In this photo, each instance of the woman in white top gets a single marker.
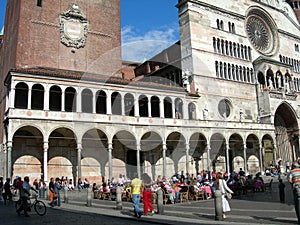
(221, 185)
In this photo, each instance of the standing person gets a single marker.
(294, 179)
(136, 186)
(51, 192)
(222, 186)
(1, 189)
(25, 193)
(7, 192)
(281, 187)
(147, 200)
(57, 188)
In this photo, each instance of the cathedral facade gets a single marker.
(224, 97)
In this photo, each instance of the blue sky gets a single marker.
(147, 26)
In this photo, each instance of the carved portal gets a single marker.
(73, 28)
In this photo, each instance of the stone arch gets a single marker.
(198, 146)
(287, 132)
(125, 149)
(218, 152)
(28, 141)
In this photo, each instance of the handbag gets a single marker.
(228, 195)
(55, 195)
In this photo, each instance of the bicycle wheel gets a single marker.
(40, 208)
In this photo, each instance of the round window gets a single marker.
(224, 108)
(261, 32)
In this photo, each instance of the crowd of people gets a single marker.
(142, 189)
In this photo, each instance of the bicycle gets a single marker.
(38, 205)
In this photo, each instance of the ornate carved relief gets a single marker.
(73, 28)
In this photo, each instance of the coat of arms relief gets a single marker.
(73, 28)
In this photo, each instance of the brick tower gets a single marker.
(75, 35)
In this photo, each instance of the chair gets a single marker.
(166, 197)
(199, 195)
(184, 196)
(105, 195)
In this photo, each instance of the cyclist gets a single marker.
(25, 193)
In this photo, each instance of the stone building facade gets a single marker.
(224, 97)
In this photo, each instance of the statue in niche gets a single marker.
(271, 86)
(242, 117)
(205, 113)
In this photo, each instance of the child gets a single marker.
(281, 187)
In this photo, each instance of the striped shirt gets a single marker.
(295, 176)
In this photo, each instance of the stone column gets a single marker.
(79, 101)
(138, 163)
(275, 153)
(79, 149)
(161, 108)
(136, 107)
(227, 158)
(187, 150)
(110, 148)
(208, 156)
(173, 108)
(122, 105)
(245, 158)
(11, 98)
(45, 161)
(149, 107)
(29, 98)
(94, 102)
(164, 159)
(9, 164)
(63, 100)
(108, 103)
(260, 157)
(46, 99)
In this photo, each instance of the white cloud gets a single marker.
(138, 47)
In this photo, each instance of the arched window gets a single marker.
(87, 101)
(101, 102)
(168, 107)
(178, 108)
(70, 99)
(129, 104)
(155, 109)
(37, 97)
(116, 103)
(143, 106)
(55, 98)
(215, 44)
(192, 111)
(21, 96)
(217, 68)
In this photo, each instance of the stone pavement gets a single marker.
(253, 208)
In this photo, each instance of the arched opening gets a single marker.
(55, 98)
(101, 102)
(287, 133)
(37, 97)
(129, 104)
(143, 106)
(87, 101)
(70, 99)
(21, 96)
(155, 110)
(116, 103)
